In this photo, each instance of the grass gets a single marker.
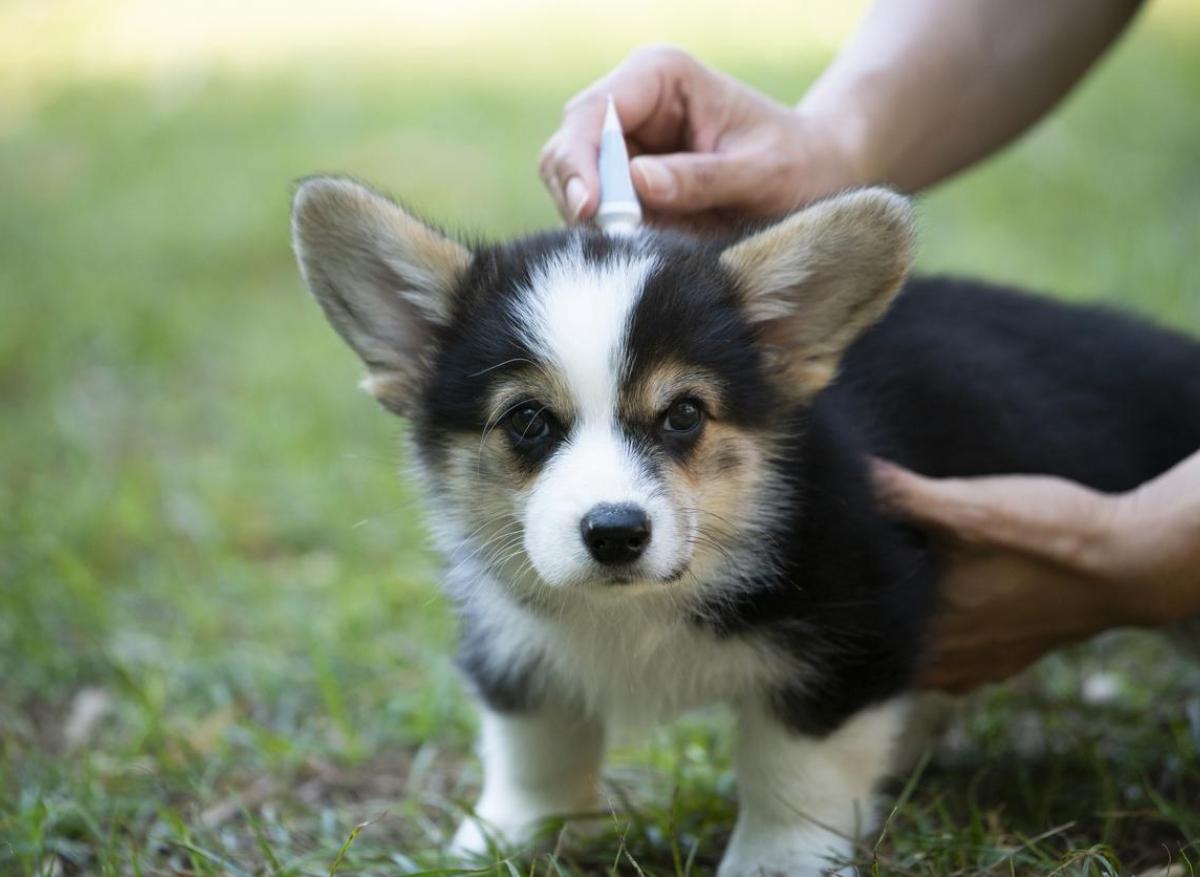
(221, 646)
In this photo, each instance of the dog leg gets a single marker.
(535, 766)
(802, 800)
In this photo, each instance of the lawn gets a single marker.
(221, 642)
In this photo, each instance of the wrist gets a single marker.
(1132, 594)
(1150, 561)
(825, 155)
(845, 111)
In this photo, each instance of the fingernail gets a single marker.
(657, 181)
(577, 197)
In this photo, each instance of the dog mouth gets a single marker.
(625, 578)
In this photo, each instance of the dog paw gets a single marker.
(785, 854)
(474, 839)
(488, 830)
(756, 866)
(805, 866)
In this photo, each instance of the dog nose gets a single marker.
(615, 533)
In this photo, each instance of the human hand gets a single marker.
(1036, 562)
(706, 147)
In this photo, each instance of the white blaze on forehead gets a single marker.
(576, 317)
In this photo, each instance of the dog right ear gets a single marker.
(814, 281)
(383, 278)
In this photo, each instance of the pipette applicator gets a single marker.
(619, 211)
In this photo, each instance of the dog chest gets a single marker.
(630, 660)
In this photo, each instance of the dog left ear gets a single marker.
(384, 279)
(813, 282)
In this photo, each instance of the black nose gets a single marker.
(615, 533)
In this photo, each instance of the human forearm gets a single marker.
(927, 87)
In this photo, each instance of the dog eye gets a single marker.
(529, 424)
(683, 416)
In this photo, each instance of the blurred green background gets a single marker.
(221, 644)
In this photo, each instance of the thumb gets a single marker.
(688, 182)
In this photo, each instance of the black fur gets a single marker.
(958, 379)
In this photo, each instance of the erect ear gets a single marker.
(817, 279)
(384, 279)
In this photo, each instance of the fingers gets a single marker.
(1041, 516)
(642, 88)
(690, 182)
(987, 627)
(568, 170)
(999, 612)
(940, 503)
(958, 677)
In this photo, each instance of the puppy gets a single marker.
(646, 458)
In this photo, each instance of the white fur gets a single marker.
(596, 465)
(535, 767)
(576, 316)
(803, 802)
(627, 654)
(602, 655)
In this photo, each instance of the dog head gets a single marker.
(591, 410)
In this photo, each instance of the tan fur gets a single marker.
(649, 398)
(816, 280)
(719, 483)
(383, 278)
(479, 488)
(519, 568)
(724, 494)
(722, 477)
(538, 385)
(534, 384)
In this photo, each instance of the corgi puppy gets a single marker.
(646, 463)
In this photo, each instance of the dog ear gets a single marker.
(383, 278)
(813, 282)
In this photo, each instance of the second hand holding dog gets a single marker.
(1049, 562)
